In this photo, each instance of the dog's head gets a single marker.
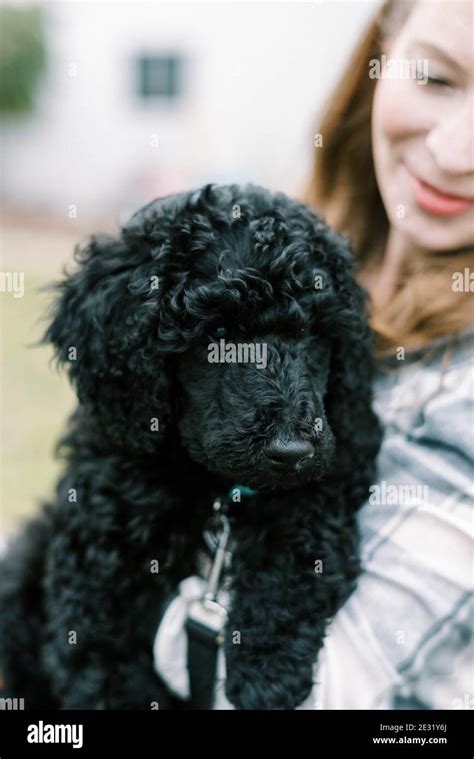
(225, 319)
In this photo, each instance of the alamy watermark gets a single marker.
(238, 353)
(463, 281)
(46, 733)
(398, 495)
(399, 68)
(12, 704)
(13, 282)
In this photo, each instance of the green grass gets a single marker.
(35, 397)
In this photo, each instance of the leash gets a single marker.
(207, 617)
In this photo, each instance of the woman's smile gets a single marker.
(435, 201)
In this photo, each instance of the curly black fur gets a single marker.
(140, 311)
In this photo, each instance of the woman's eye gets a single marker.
(424, 78)
(438, 81)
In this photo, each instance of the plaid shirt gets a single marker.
(404, 639)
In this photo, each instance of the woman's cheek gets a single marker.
(395, 126)
(390, 125)
(397, 109)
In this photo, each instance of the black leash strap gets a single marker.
(206, 621)
(202, 663)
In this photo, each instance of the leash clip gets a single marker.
(210, 595)
(207, 611)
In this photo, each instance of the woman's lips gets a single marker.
(434, 201)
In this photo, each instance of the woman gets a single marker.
(396, 173)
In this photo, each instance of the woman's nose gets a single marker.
(451, 141)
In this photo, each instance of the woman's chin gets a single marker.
(429, 232)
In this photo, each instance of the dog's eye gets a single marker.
(220, 332)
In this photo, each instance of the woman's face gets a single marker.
(423, 132)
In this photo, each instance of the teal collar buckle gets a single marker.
(243, 489)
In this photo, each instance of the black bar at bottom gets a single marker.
(317, 734)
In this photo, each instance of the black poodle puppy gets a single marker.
(219, 342)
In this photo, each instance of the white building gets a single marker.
(254, 76)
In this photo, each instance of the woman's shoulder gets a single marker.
(448, 354)
(416, 527)
(427, 397)
(421, 501)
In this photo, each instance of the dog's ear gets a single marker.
(349, 397)
(104, 329)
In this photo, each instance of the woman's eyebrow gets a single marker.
(433, 49)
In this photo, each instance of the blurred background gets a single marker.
(105, 106)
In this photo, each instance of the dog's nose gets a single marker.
(291, 454)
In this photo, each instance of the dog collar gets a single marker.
(243, 489)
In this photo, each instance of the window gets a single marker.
(159, 76)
